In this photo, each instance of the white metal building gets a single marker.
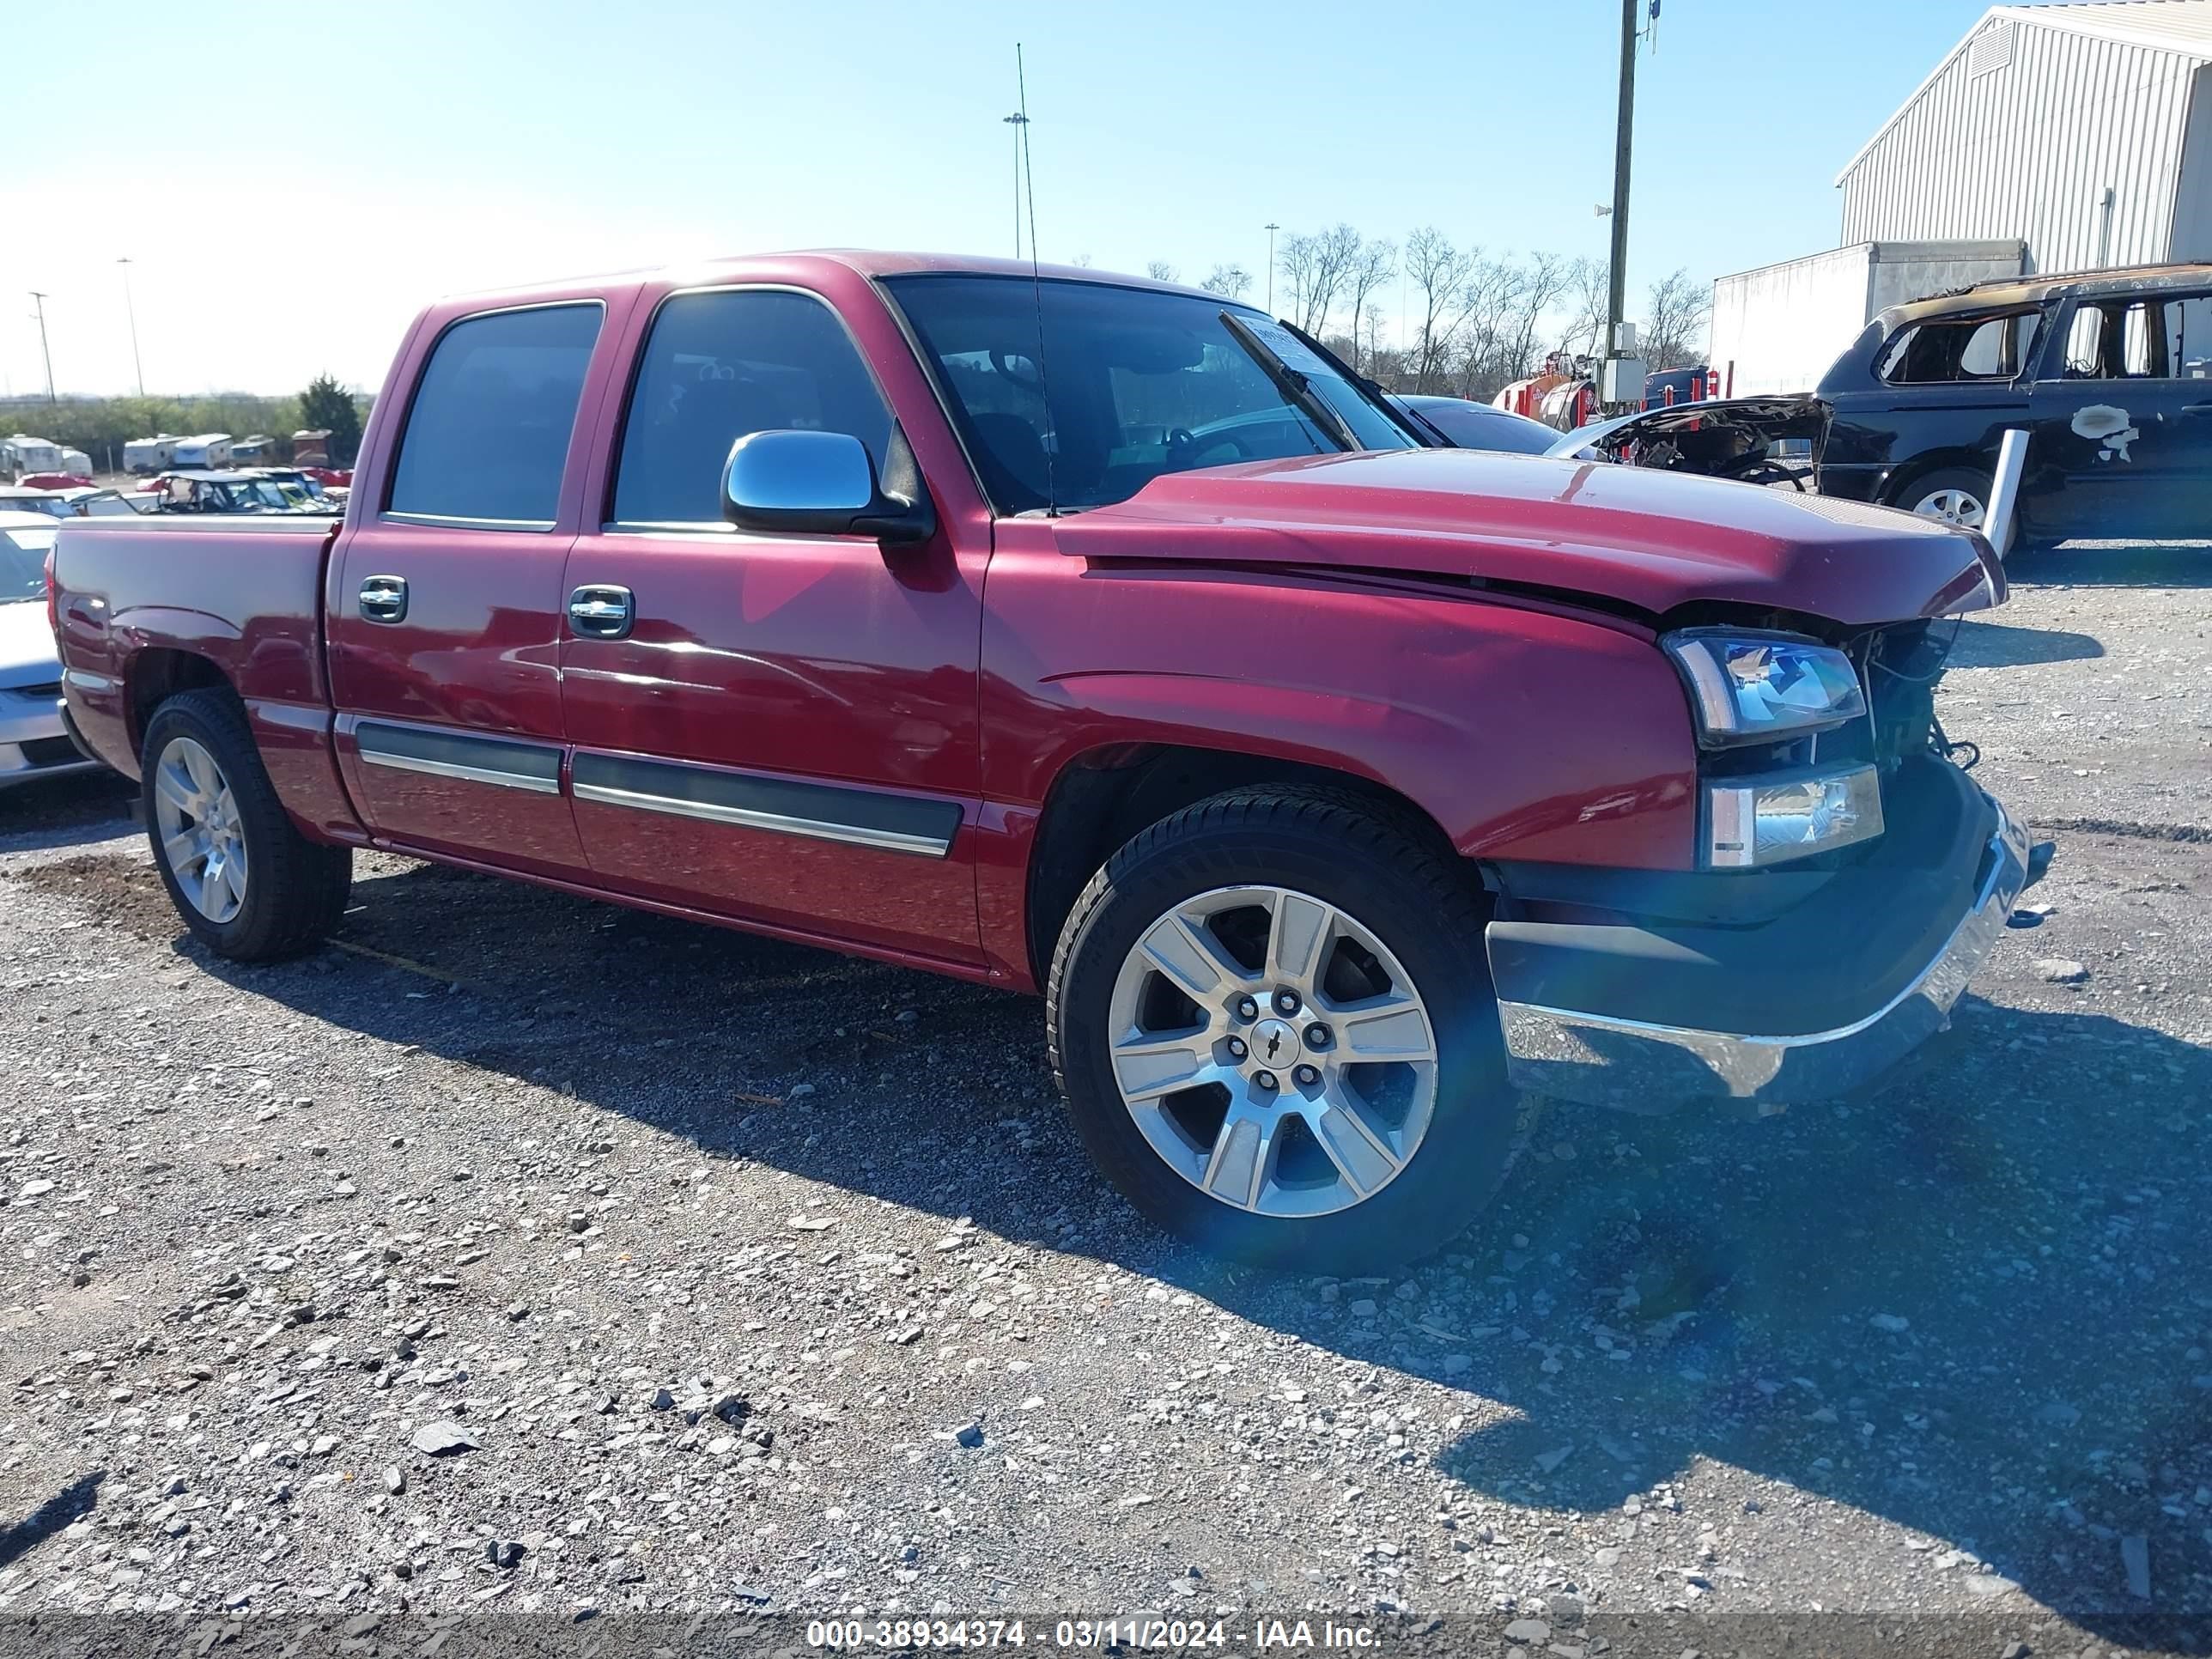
(2082, 129)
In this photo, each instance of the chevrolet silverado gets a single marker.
(1098, 638)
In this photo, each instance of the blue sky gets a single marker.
(291, 190)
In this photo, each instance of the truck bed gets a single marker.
(243, 591)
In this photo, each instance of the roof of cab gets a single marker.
(2000, 293)
(871, 263)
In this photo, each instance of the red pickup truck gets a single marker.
(1094, 637)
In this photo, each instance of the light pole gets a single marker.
(40, 301)
(131, 311)
(1271, 227)
(1018, 121)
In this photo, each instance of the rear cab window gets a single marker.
(487, 436)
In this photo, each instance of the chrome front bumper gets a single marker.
(1585, 1056)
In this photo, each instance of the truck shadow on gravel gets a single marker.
(1997, 645)
(1979, 1305)
(71, 1504)
(2112, 565)
(76, 810)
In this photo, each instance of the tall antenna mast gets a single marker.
(1029, 173)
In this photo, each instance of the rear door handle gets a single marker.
(383, 598)
(2196, 408)
(602, 611)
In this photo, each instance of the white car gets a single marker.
(33, 743)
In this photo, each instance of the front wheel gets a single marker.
(1951, 495)
(1273, 1019)
(247, 883)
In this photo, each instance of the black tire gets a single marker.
(1410, 891)
(1965, 480)
(295, 889)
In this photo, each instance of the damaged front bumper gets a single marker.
(1812, 1004)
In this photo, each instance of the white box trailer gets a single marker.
(149, 455)
(23, 453)
(209, 450)
(1776, 329)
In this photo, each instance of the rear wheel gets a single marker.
(248, 883)
(1273, 1022)
(1951, 495)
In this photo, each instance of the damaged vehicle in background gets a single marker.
(2110, 373)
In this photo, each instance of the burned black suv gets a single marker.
(2110, 373)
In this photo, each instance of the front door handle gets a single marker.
(602, 612)
(2198, 408)
(383, 598)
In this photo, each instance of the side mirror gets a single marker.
(818, 483)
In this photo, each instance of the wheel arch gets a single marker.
(1103, 797)
(158, 673)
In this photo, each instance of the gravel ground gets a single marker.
(524, 1255)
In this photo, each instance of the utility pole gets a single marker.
(1271, 227)
(1616, 303)
(41, 300)
(1018, 121)
(131, 311)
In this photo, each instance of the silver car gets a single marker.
(33, 744)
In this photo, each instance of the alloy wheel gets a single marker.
(195, 816)
(1957, 506)
(1272, 1051)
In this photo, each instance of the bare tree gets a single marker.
(1538, 286)
(1161, 272)
(1676, 316)
(1298, 259)
(1318, 265)
(1492, 295)
(1229, 281)
(1589, 292)
(1438, 272)
(1375, 264)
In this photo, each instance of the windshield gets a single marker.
(1133, 383)
(23, 564)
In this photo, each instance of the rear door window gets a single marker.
(2168, 337)
(488, 434)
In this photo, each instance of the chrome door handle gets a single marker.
(383, 598)
(602, 612)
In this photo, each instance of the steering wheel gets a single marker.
(1003, 362)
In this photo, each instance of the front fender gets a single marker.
(1523, 733)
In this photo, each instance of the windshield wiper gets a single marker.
(1296, 388)
(1408, 420)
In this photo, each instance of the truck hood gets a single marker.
(27, 646)
(1655, 542)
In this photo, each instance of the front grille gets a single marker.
(50, 751)
(1901, 666)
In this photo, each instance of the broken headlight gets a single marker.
(1751, 687)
